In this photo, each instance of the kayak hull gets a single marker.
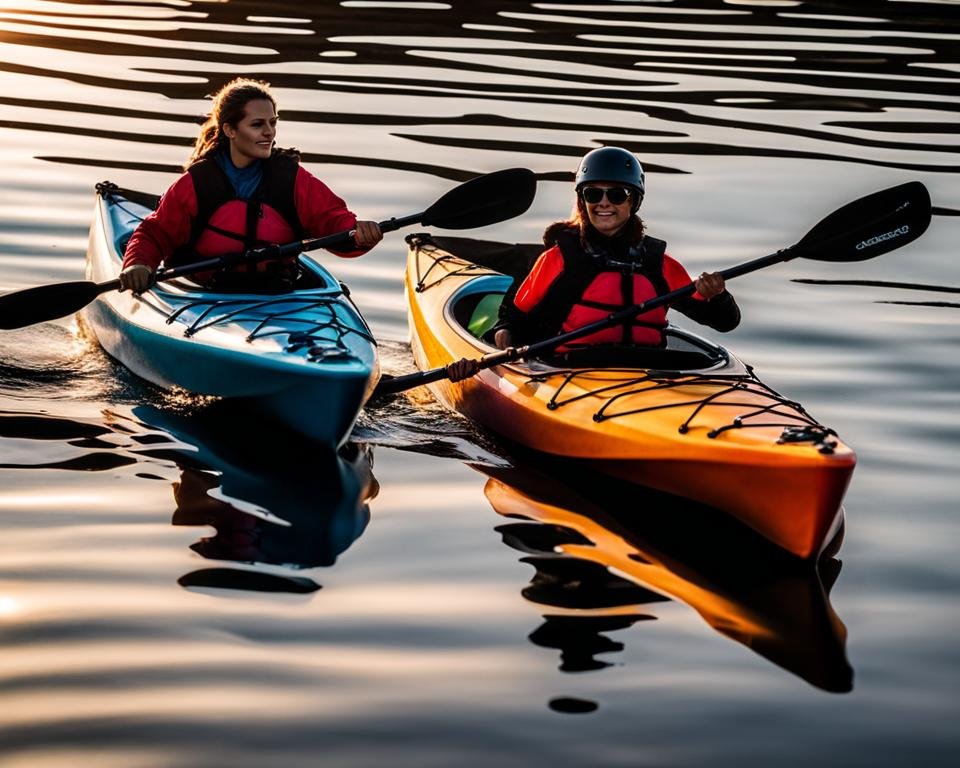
(305, 357)
(715, 434)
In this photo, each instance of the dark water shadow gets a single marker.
(831, 57)
(82, 444)
(896, 286)
(602, 546)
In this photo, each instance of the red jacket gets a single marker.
(169, 227)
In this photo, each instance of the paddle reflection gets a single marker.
(604, 553)
(278, 501)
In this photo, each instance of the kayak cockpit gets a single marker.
(488, 269)
(474, 308)
(311, 279)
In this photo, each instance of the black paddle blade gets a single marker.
(46, 302)
(870, 226)
(487, 199)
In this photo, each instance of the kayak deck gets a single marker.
(690, 419)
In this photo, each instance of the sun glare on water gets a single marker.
(8, 606)
(34, 5)
(51, 501)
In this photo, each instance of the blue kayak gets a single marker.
(306, 357)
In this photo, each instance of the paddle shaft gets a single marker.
(34, 305)
(486, 199)
(401, 383)
(312, 243)
(273, 252)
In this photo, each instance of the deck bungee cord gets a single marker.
(316, 336)
(294, 308)
(808, 431)
(463, 268)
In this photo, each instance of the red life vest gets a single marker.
(226, 224)
(592, 285)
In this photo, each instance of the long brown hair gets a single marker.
(229, 106)
(579, 223)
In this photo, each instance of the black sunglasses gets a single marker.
(616, 195)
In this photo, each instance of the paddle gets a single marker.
(858, 231)
(484, 200)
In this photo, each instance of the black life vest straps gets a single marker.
(277, 187)
(626, 291)
(240, 237)
(254, 212)
(214, 190)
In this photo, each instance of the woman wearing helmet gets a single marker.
(599, 261)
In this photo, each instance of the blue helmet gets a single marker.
(611, 164)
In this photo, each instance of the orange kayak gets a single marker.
(690, 419)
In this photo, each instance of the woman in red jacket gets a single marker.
(601, 260)
(240, 192)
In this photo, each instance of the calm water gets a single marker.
(182, 587)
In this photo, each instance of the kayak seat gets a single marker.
(485, 315)
(478, 313)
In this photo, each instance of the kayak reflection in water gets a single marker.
(607, 555)
(307, 524)
(275, 506)
(597, 262)
(240, 192)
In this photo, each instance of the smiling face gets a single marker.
(252, 137)
(607, 218)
